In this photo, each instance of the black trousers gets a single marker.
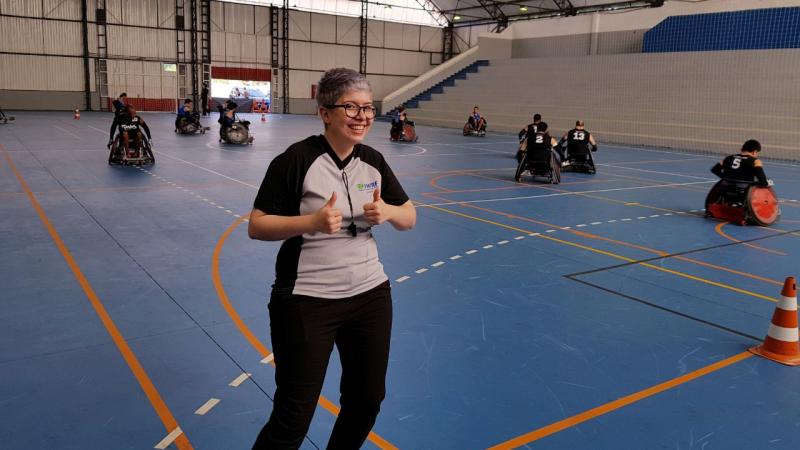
(304, 331)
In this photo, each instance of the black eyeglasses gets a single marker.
(351, 110)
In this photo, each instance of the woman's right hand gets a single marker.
(328, 219)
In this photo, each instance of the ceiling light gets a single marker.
(456, 17)
(523, 8)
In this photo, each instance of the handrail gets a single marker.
(429, 79)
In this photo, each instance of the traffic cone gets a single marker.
(77, 115)
(263, 117)
(781, 343)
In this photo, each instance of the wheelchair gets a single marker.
(406, 133)
(540, 163)
(471, 130)
(237, 134)
(742, 202)
(186, 126)
(143, 155)
(4, 118)
(579, 159)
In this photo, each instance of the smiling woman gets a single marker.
(330, 287)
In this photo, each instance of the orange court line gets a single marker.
(170, 424)
(719, 231)
(578, 419)
(253, 340)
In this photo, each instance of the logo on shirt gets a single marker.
(367, 186)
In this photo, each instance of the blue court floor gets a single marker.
(602, 313)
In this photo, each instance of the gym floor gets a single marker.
(604, 312)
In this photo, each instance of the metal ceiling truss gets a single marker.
(434, 12)
(565, 8)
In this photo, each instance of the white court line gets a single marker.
(469, 252)
(268, 359)
(488, 246)
(626, 220)
(167, 441)
(97, 129)
(437, 264)
(502, 243)
(519, 237)
(401, 279)
(239, 380)
(560, 194)
(422, 270)
(206, 169)
(655, 215)
(212, 402)
(534, 234)
(424, 150)
(595, 223)
(455, 257)
(656, 171)
(68, 132)
(550, 231)
(580, 225)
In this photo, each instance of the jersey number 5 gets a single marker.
(736, 163)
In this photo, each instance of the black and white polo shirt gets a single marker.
(299, 182)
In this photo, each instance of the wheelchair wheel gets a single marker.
(466, 129)
(555, 170)
(718, 208)
(762, 206)
(520, 168)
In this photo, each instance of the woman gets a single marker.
(321, 197)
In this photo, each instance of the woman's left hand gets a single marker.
(375, 212)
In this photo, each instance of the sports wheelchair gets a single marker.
(540, 163)
(4, 118)
(471, 130)
(742, 202)
(143, 155)
(579, 159)
(404, 133)
(185, 125)
(238, 134)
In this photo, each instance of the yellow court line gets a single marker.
(163, 411)
(253, 340)
(613, 255)
(578, 419)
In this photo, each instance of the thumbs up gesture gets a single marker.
(328, 219)
(375, 211)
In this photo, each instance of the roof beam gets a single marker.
(616, 6)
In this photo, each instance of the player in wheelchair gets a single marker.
(579, 145)
(538, 157)
(476, 124)
(4, 118)
(402, 129)
(743, 194)
(188, 120)
(132, 145)
(233, 130)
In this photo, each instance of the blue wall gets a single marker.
(739, 30)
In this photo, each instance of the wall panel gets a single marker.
(62, 38)
(60, 9)
(21, 35)
(375, 30)
(21, 7)
(393, 35)
(411, 37)
(348, 30)
(323, 28)
(299, 25)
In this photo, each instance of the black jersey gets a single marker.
(299, 182)
(741, 168)
(128, 124)
(540, 141)
(578, 140)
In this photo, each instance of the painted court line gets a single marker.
(239, 380)
(268, 359)
(590, 414)
(169, 439)
(560, 194)
(127, 353)
(212, 402)
(502, 243)
(403, 278)
(437, 264)
(422, 270)
(519, 237)
(487, 247)
(469, 252)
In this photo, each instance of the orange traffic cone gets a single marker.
(77, 115)
(263, 117)
(781, 343)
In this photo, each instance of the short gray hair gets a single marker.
(336, 82)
